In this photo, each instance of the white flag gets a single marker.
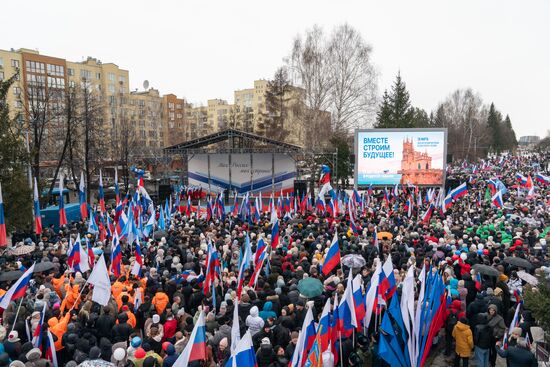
(99, 278)
(235, 329)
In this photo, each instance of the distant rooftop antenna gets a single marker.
(145, 84)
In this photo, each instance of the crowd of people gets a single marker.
(149, 318)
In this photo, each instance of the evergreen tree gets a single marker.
(396, 110)
(494, 124)
(511, 140)
(13, 158)
(420, 118)
(384, 114)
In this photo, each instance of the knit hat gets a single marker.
(140, 353)
(266, 341)
(136, 342)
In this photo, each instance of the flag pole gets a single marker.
(340, 345)
(17, 314)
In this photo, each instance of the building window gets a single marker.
(171, 115)
(85, 74)
(171, 105)
(98, 76)
(56, 70)
(17, 91)
(1, 62)
(142, 134)
(56, 83)
(179, 115)
(178, 106)
(72, 84)
(14, 63)
(111, 88)
(35, 67)
(122, 78)
(1, 75)
(70, 71)
(18, 103)
(111, 77)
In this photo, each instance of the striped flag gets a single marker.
(37, 216)
(18, 289)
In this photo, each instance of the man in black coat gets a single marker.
(105, 323)
(518, 356)
(122, 330)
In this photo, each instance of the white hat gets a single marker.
(266, 341)
(13, 336)
(156, 319)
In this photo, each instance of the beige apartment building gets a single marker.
(153, 120)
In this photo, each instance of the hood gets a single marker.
(254, 311)
(453, 283)
(462, 327)
(268, 306)
(456, 305)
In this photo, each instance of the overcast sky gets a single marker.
(206, 49)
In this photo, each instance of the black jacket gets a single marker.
(121, 332)
(104, 325)
(265, 355)
(483, 336)
(518, 357)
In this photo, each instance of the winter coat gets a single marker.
(483, 336)
(254, 322)
(497, 325)
(265, 355)
(464, 340)
(518, 357)
(267, 311)
(160, 301)
(104, 325)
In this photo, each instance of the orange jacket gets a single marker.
(71, 297)
(160, 301)
(117, 288)
(58, 328)
(119, 299)
(131, 319)
(58, 284)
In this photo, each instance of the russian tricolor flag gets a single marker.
(62, 213)
(195, 350)
(324, 326)
(116, 256)
(346, 310)
(37, 335)
(497, 199)
(101, 196)
(37, 216)
(521, 179)
(136, 269)
(332, 258)
(50, 350)
(274, 229)
(82, 197)
(387, 285)
(459, 191)
(358, 298)
(542, 178)
(305, 340)
(243, 355)
(352, 221)
(18, 289)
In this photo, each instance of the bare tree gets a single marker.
(43, 106)
(309, 65)
(353, 76)
(465, 115)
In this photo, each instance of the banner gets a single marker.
(242, 172)
(400, 156)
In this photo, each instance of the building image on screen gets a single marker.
(416, 167)
(400, 156)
